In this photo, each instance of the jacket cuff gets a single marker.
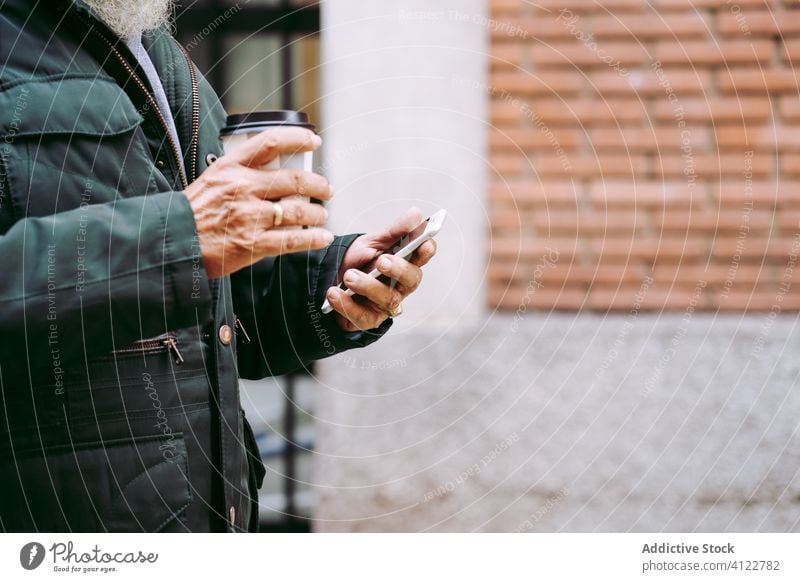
(186, 283)
(338, 340)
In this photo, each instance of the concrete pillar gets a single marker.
(400, 129)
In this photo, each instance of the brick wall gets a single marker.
(645, 155)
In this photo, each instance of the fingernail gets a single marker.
(384, 264)
(317, 140)
(325, 214)
(328, 237)
(350, 277)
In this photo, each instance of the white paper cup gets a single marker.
(243, 126)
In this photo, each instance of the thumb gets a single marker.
(401, 226)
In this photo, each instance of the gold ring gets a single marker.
(396, 311)
(277, 219)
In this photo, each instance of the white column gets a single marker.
(403, 124)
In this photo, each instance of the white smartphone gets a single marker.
(402, 248)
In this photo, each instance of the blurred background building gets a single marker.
(606, 340)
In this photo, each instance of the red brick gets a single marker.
(526, 248)
(640, 248)
(507, 164)
(714, 275)
(564, 274)
(717, 110)
(712, 165)
(653, 139)
(654, 299)
(790, 108)
(585, 111)
(760, 301)
(534, 193)
(751, 248)
(506, 55)
(791, 51)
(543, 26)
(508, 221)
(764, 194)
(790, 165)
(692, 5)
(730, 222)
(788, 221)
(589, 166)
(712, 52)
(643, 81)
(645, 194)
(592, 222)
(763, 138)
(577, 55)
(534, 139)
(521, 83)
(586, 6)
(506, 6)
(759, 81)
(505, 113)
(644, 26)
(749, 23)
(542, 300)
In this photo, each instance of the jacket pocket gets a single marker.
(71, 141)
(128, 485)
(256, 471)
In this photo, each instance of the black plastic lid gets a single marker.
(258, 120)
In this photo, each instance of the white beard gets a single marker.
(130, 18)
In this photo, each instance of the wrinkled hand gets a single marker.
(377, 298)
(233, 206)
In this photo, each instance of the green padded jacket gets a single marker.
(119, 370)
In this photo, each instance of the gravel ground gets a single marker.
(565, 422)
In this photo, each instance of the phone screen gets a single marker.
(398, 245)
(410, 241)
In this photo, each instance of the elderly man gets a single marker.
(142, 276)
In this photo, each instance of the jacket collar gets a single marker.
(80, 8)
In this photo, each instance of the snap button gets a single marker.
(225, 334)
(232, 514)
(160, 164)
(210, 159)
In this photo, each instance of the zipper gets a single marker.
(150, 99)
(154, 345)
(195, 139)
(240, 328)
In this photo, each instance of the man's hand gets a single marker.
(377, 299)
(233, 208)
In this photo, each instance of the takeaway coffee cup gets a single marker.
(243, 126)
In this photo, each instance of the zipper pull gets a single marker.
(240, 328)
(173, 347)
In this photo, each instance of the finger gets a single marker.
(424, 253)
(401, 226)
(386, 297)
(261, 149)
(275, 242)
(359, 316)
(294, 213)
(274, 184)
(408, 276)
